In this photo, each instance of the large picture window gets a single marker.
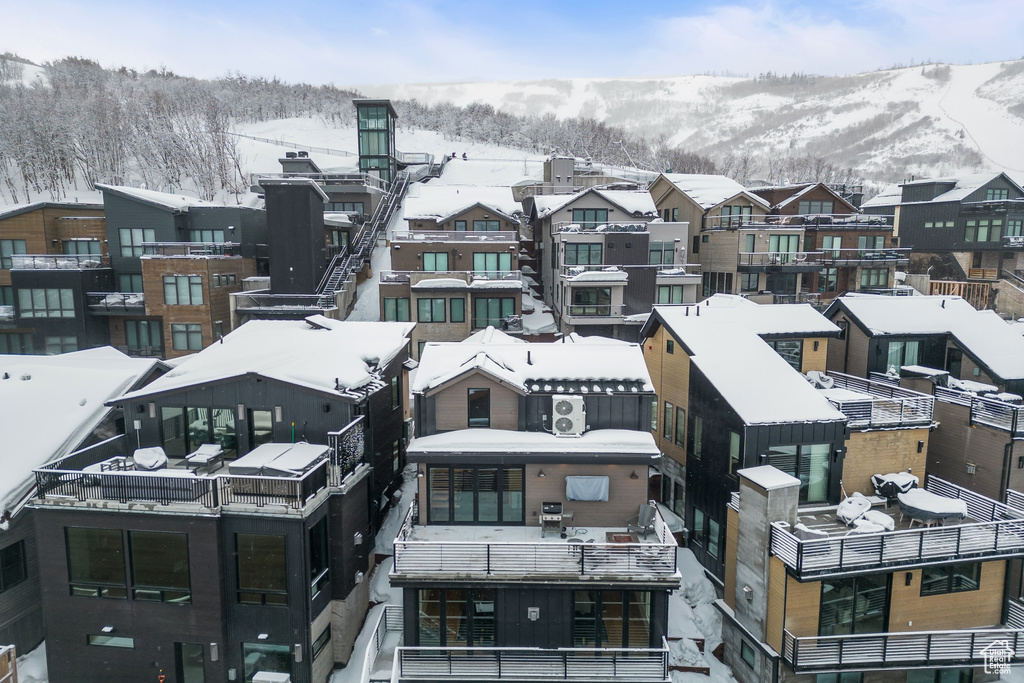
(853, 605)
(604, 618)
(492, 311)
(396, 309)
(183, 290)
(46, 303)
(486, 226)
(187, 428)
(186, 337)
(12, 565)
(160, 570)
(583, 254)
(595, 301)
(791, 350)
(951, 578)
(456, 617)
(476, 494)
(132, 238)
(491, 264)
(262, 575)
(430, 310)
(96, 562)
(435, 260)
(266, 657)
(900, 353)
(589, 218)
(809, 463)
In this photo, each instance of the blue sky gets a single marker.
(398, 41)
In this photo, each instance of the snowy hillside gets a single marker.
(932, 119)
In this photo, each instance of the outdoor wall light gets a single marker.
(419, 474)
(540, 473)
(632, 475)
(920, 446)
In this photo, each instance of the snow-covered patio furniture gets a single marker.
(880, 518)
(853, 508)
(927, 508)
(890, 485)
(207, 454)
(148, 459)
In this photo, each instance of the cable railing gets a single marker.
(431, 236)
(885, 406)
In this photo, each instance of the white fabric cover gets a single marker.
(853, 508)
(880, 518)
(586, 488)
(205, 453)
(150, 458)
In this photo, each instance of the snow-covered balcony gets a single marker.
(793, 260)
(58, 261)
(1006, 415)
(822, 546)
(930, 649)
(328, 180)
(116, 303)
(868, 404)
(192, 249)
(597, 226)
(865, 257)
(400, 238)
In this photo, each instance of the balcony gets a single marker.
(437, 552)
(990, 412)
(590, 665)
(58, 261)
(6, 314)
(832, 221)
(141, 351)
(779, 260)
(932, 649)
(327, 179)
(1013, 241)
(192, 249)
(877, 405)
(454, 279)
(434, 236)
(116, 303)
(596, 274)
(868, 257)
(594, 314)
(283, 306)
(992, 530)
(570, 226)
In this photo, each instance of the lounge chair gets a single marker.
(643, 522)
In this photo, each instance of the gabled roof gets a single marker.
(982, 334)
(13, 210)
(890, 195)
(161, 200)
(962, 186)
(770, 320)
(635, 203)
(442, 202)
(339, 358)
(602, 365)
(796, 196)
(708, 191)
(50, 404)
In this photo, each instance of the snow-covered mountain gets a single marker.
(933, 119)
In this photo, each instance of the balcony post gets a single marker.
(488, 558)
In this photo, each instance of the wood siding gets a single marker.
(776, 603)
(957, 443)
(670, 373)
(881, 452)
(452, 404)
(731, 546)
(625, 495)
(909, 611)
(41, 226)
(814, 360)
(803, 604)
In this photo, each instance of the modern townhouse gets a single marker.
(531, 550)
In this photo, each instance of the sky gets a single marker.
(351, 43)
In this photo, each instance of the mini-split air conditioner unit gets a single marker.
(568, 415)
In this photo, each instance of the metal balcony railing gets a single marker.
(841, 257)
(348, 449)
(116, 302)
(791, 259)
(833, 221)
(58, 261)
(598, 226)
(596, 311)
(904, 649)
(192, 249)
(482, 276)
(328, 179)
(1013, 241)
(990, 412)
(592, 665)
(517, 559)
(887, 405)
(998, 532)
(432, 236)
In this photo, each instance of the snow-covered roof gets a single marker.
(331, 356)
(441, 202)
(796, 196)
(597, 442)
(633, 202)
(709, 191)
(599, 366)
(962, 186)
(761, 319)
(769, 478)
(983, 334)
(889, 196)
(175, 202)
(12, 210)
(50, 404)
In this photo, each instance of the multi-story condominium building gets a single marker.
(52, 406)
(531, 550)
(241, 500)
(810, 199)
(880, 333)
(915, 594)
(605, 255)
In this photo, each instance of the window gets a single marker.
(486, 226)
(6, 295)
(223, 279)
(491, 264)
(582, 254)
(396, 392)
(266, 657)
(143, 336)
(456, 617)
(475, 494)
(747, 653)
(699, 536)
(734, 453)
(492, 311)
(186, 337)
(748, 243)
(845, 677)
(457, 309)
(670, 294)
(735, 216)
(16, 342)
(321, 641)
(607, 618)
(828, 280)
(667, 421)
(345, 207)
(791, 350)
(8, 248)
(183, 290)
(262, 576)
(81, 246)
(900, 353)
(435, 261)
(95, 562)
(874, 278)
(809, 463)
(460, 226)
(111, 641)
(951, 578)
(815, 206)
(853, 605)
(713, 283)
(373, 143)
(596, 301)
(983, 230)
(129, 282)
(319, 563)
(661, 253)
(698, 436)
(831, 245)
(132, 238)
(430, 310)
(670, 346)
(56, 345)
(12, 565)
(204, 235)
(160, 570)
(190, 661)
(680, 439)
(940, 676)
(940, 224)
(589, 218)
(714, 533)
(396, 309)
(782, 248)
(654, 414)
(749, 282)
(46, 303)
(995, 194)
(869, 243)
(479, 405)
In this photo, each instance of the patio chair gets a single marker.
(643, 522)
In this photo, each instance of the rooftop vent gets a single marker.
(289, 155)
(303, 154)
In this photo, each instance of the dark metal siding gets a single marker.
(295, 226)
(603, 412)
(122, 212)
(349, 514)
(21, 609)
(90, 330)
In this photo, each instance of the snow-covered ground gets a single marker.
(32, 667)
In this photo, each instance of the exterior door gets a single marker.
(954, 359)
